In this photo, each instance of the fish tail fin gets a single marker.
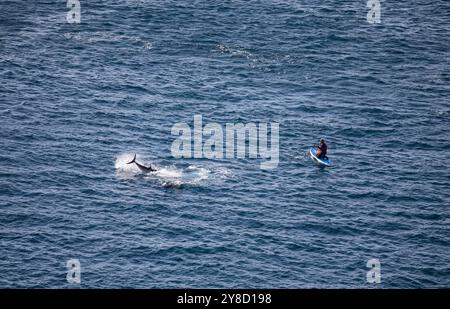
(132, 161)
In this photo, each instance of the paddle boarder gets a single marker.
(322, 149)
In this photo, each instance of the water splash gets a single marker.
(171, 176)
(124, 170)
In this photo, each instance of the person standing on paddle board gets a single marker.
(321, 152)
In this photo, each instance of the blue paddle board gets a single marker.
(320, 162)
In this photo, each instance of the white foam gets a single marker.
(169, 173)
(171, 176)
(124, 170)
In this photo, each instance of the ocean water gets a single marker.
(78, 100)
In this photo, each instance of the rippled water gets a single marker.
(78, 100)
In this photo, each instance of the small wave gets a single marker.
(106, 37)
(239, 53)
(442, 113)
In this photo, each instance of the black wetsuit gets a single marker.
(323, 154)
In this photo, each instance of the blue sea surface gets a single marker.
(77, 100)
